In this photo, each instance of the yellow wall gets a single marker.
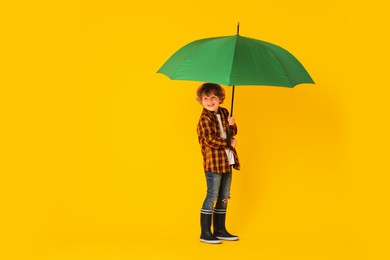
(99, 152)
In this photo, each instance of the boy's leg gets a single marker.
(213, 185)
(224, 191)
(220, 209)
(213, 181)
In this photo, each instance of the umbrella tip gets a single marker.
(238, 28)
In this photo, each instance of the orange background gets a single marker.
(99, 152)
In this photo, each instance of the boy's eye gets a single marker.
(212, 98)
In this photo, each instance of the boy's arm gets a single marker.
(234, 129)
(210, 137)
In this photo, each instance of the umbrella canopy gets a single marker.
(235, 60)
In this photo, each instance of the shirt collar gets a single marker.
(210, 112)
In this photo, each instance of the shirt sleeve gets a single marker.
(234, 129)
(207, 134)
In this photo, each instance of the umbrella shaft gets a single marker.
(231, 110)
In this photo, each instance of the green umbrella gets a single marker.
(235, 60)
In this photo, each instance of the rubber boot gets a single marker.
(219, 226)
(205, 223)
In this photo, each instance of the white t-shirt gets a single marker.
(229, 152)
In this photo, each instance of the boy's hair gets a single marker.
(209, 89)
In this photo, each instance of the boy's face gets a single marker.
(211, 102)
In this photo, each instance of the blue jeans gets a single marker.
(218, 190)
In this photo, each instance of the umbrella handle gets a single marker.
(230, 131)
(229, 136)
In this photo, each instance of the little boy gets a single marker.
(219, 157)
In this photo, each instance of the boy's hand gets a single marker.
(233, 143)
(231, 120)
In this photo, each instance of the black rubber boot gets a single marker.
(219, 226)
(205, 223)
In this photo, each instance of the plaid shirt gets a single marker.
(212, 144)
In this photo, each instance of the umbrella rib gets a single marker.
(234, 56)
(187, 55)
(281, 65)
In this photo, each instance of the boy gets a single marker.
(219, 157)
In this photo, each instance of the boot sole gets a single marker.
(228, 238)
(211, 241)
